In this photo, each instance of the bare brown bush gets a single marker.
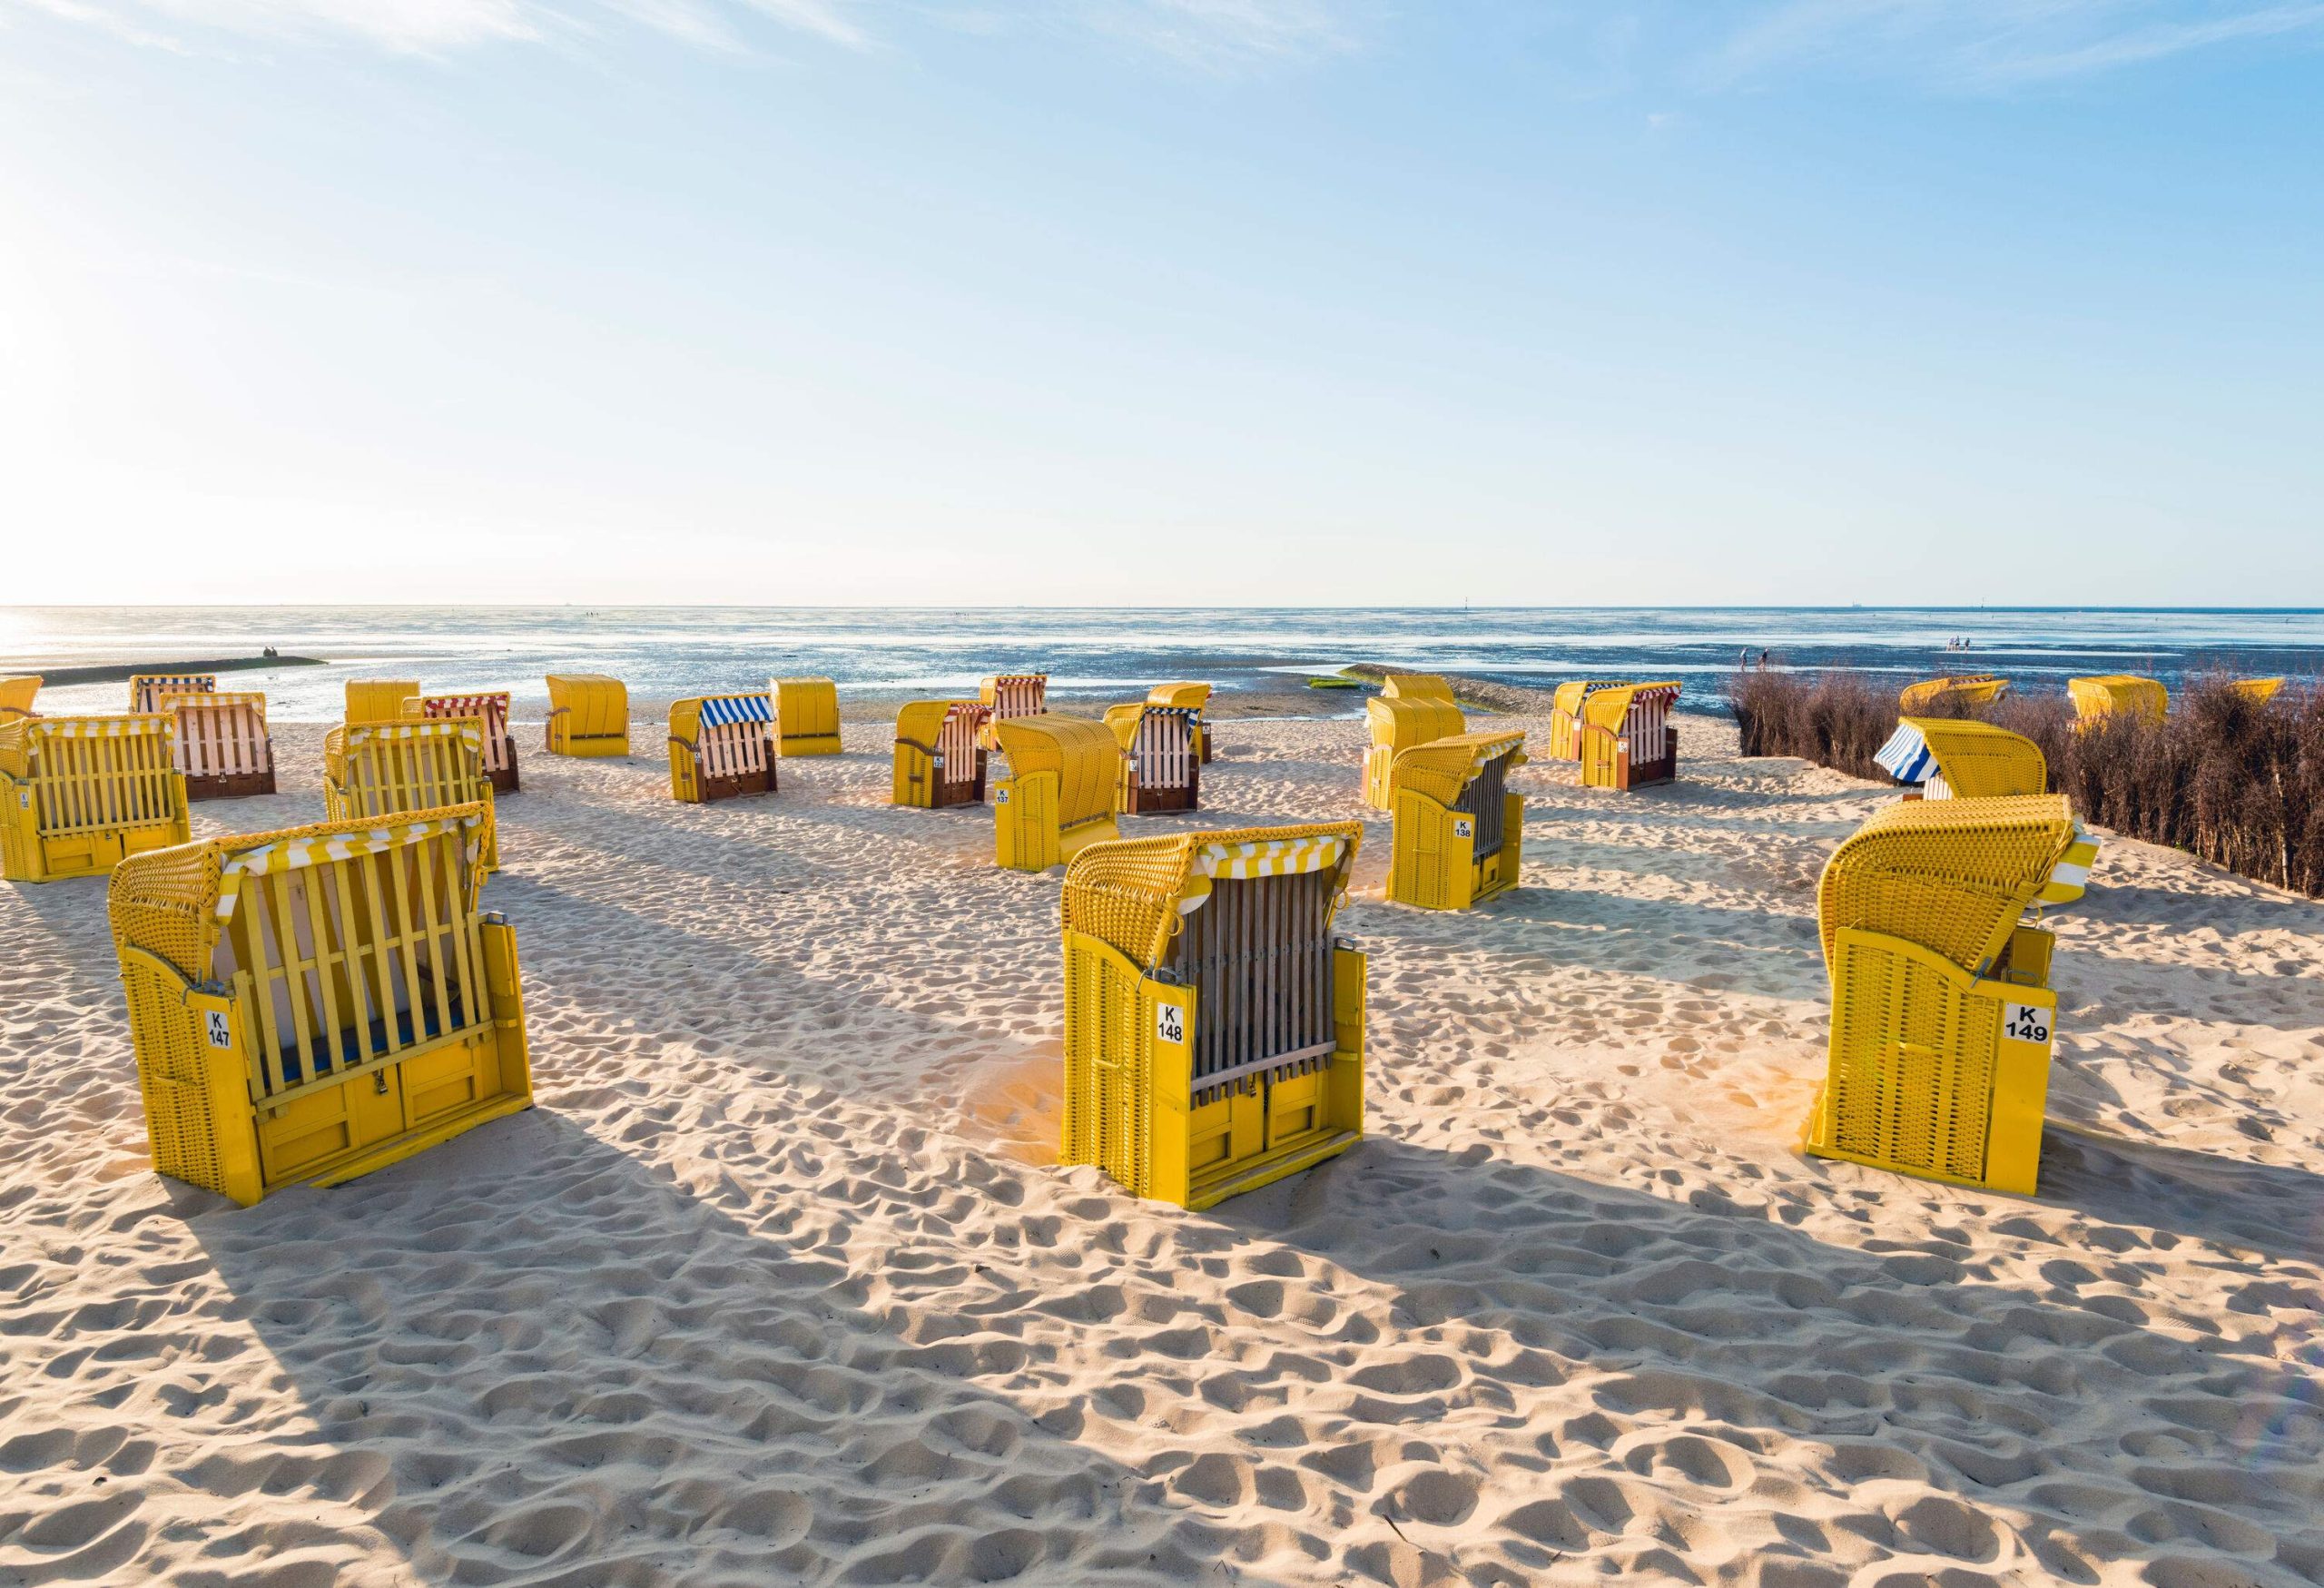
(2238, 781)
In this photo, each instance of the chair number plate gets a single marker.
(1169, 1023)
(2025, 1022)
(215, 1023)
(1462, 827)
(1000, 796)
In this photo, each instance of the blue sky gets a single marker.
(1163, 302)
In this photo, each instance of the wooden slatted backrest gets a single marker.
(956, 742)
(1259, 955)
(221, 735)
(1163, 748)
(354, 961)
(732, 749)
(418, 765)
(490, 709)
(89, 775)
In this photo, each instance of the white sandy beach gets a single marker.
(778, 1282)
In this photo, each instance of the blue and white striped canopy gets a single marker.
(1906, 757)
(736, 708)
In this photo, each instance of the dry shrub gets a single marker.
(2238, 781)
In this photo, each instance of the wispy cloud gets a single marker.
(1212, 34)
(1227, 34)
(1993, 44)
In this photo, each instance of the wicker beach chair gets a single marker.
(1054, 795)
(1194, 697)
(1565, 715)
(377, 771)
(147, 691)
(1416, 686)
(378, 700)
(1944, 758)
(17, 697)
(2259, 691)
(1011, 694)
(806, 716)
(490, 712)
(1627, 737)
(1459, 833)
(721, 746)
(588, 716)
(310, 1005)
(79, 795)
(938, 759)
(1161, 759)
(1960, 693)
(223, 746)
(1397, 723)
(2117, 694)
(1214, 1025)
(1941, 1013)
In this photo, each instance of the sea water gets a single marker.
(664, 652)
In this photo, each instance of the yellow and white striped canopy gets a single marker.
(1271, 857)
(466, 727)
(104, 727)
(294, 852)
(1266, 857)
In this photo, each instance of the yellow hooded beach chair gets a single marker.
(806, 716)
(1565, 715)
(78, 794)
(1459, 834)
(1941, 1013)
(2259, 691)
(1952, 693)
(377, 771)
(17, 697)
(1011, 694)
(1946, 757)
(490, 712)
(721, 746)
(588, 716)
(1416, 686)
(940, 760)
(147, 691)
(1161, 759)
(1194, 697)
(1949, 757)
(1055, 795)
(310, 1005)
(1627, 737)
(378, 700)
(2124, 694)
(1214, 1025)
(223, 746)
(1397, 723)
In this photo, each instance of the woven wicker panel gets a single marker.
(1084, 755)
(1979, 760)
(1953, 875)
(1442, 768)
